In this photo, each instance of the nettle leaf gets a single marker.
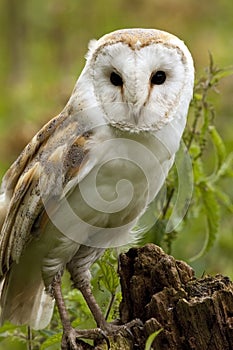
(10, 331)
(226, 168)
(224, 198)
(54, 339)
(184, 188)
(7, 327)
(212, 212)
(222, 73)
(219, 146)
(109, 276)
(198, 171)
(194, 150)
(197, 96)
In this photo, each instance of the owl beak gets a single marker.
(135, 101)
(135, 117)
(134, 113)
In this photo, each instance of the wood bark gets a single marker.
(194, 314)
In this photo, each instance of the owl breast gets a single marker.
(128, 172)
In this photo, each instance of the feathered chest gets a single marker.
(121, 175)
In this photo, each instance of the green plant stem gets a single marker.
(165, 209)
(29, 338)
(110, 306)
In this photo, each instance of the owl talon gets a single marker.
(71, 338)
(125, 327)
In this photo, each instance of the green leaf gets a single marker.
(223, 73)
(198, 171)
(108, 266)
(151, 338)
(7, 327)
(55, 339)
(212, 212)
(194, 150)
(226, 168)
(224, 198)
(197, 96)
(219, 146)
(109, 276)
(184, 188)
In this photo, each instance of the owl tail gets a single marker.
(23, 297)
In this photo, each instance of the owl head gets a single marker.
(141, 79)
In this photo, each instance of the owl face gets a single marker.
(141, 78)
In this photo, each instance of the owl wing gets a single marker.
(49, 162)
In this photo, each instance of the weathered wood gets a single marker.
(195, 314)
(163, 292)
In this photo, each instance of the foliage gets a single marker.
(208, 195)
(151, 338)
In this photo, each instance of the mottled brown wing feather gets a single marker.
(23, 207)
(53, 156)
(12, 175)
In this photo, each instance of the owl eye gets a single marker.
(116, 79)
(158, 78)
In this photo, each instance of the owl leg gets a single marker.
(70, 339)
(109, 329)
(85, 289)
(68, 334)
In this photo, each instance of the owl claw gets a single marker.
(70, 339)
(113, 328)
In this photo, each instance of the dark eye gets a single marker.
(158, 78)
(116, 79)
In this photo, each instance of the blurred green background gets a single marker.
(43, 43)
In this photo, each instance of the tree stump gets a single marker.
(194, 314)
(163, 292)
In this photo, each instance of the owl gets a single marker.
(82, 183)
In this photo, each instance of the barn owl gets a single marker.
(89, 174)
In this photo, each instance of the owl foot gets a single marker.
(71, 338)
(115, 331)
(114, 328)
(104, 331)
